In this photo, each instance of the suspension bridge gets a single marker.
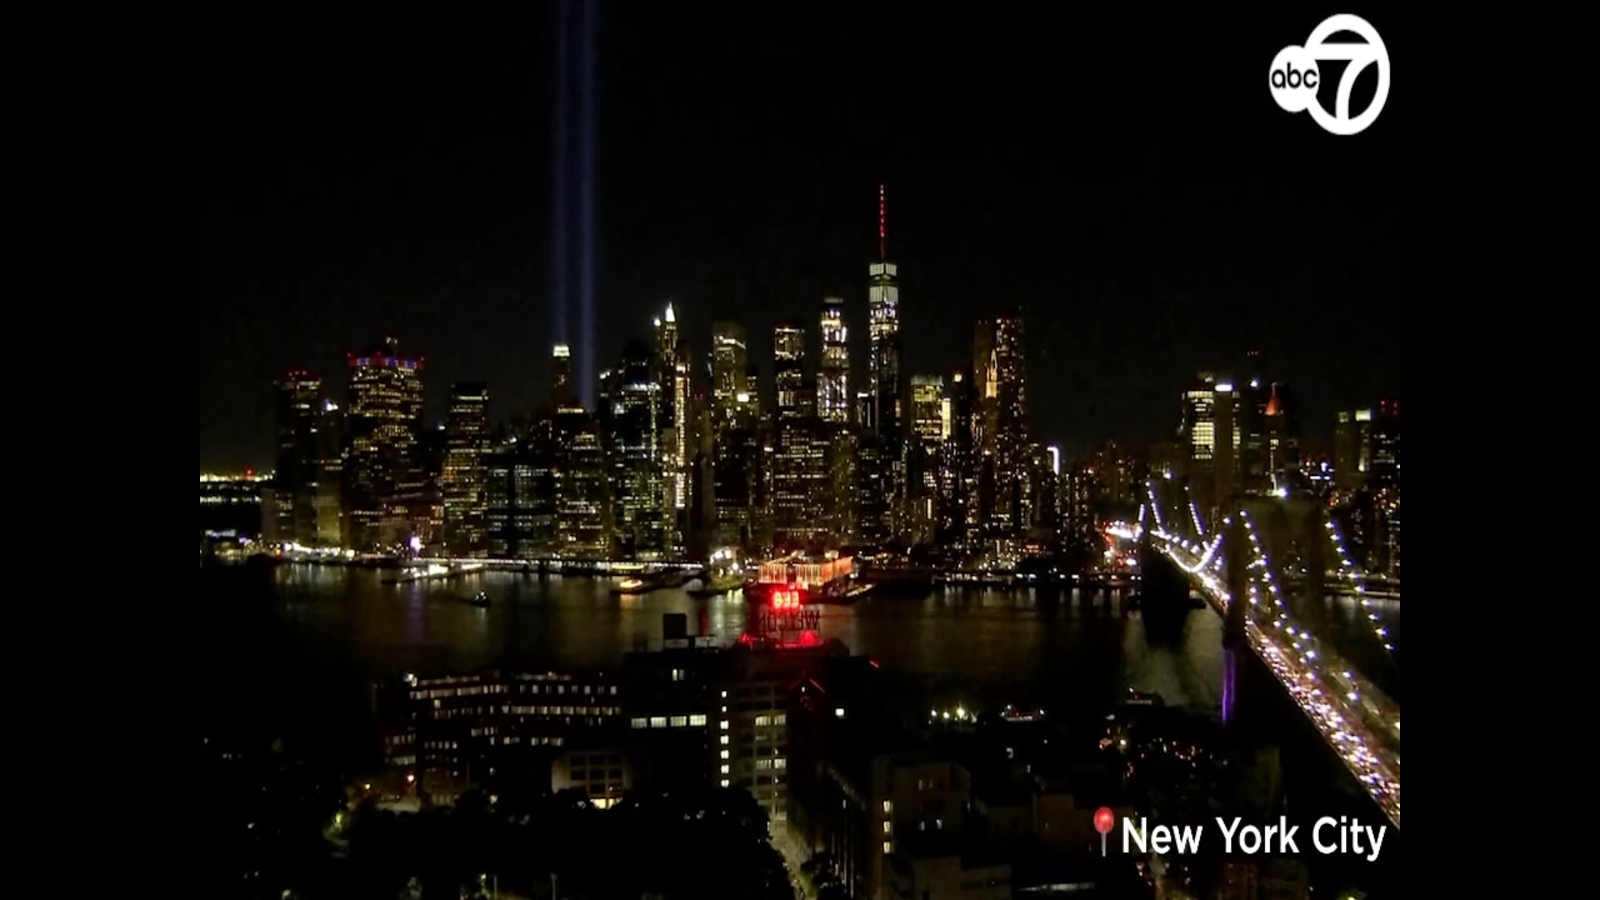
(1246, 566)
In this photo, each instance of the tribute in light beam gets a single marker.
(559, 300)
(586, 216)
(572, 215)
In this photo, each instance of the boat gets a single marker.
(646, 581)
(634, 585)
(807, 579)
(480, 599)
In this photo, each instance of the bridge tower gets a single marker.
(1294, 524)
(1235, 536)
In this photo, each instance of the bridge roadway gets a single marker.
(1358, 721)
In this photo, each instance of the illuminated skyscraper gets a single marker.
(386, 503)
(462, 480)
(1001, 427)
(833, 380)
(583, 524)
(928, 409)
(801, 507)
(928, 432)
(801, 445)
(1209, 407)
(789, 370)
(330, 477)
(1352, 449)
(957, 520)
(1115, 476)
(672, 373)
(1252, 443)
(736, 446)
(561, 377)
(881, 464)
(1199, 425)
(299, 408)
(1366, 448)
(519, 501)
(1386, 446)
(883, 331)
(729, 358)
(631, 419)
(1078, 504)
(1283, 435)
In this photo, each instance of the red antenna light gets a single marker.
(883, 222)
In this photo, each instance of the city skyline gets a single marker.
(823, 369)
(761, 355)
(1142, 246)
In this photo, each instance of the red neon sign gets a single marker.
(786, 599)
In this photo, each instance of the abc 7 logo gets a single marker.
(1295, 77)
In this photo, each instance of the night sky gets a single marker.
(1127, 179)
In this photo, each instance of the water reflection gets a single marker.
(987, 647)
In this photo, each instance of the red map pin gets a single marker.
(1104, 820)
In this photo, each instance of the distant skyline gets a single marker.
(1128, 181)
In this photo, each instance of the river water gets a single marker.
(295, 648)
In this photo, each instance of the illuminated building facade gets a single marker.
(1391, 520)
(701, 714)
(1117, 481)
(1282, 415)
(1352, 449)
(230, 505)
(872, 503)
(737, 488)
(882, 469)
(956, 520)
(883, 332)
(456, 730)
(1366, 463)
(330, 477)
(1041, 489)
(520, 497)
(1198, 426)
(1080, 498)
(672, 372)
(1252, 458)
(1000, 429)
(929, 431)
(736, 443)
(839, 488)
(1385, 440)
(463, 477)
(295, 484)
(631, 422)
(582, 488)
(1366, 448)
(1207, 430)
(789, 373)
(1239, 437)
(928, 419)
(561, 377)
(800, 488)
(833, 380)
(800, 445)
(730, 392)
(386, 503)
